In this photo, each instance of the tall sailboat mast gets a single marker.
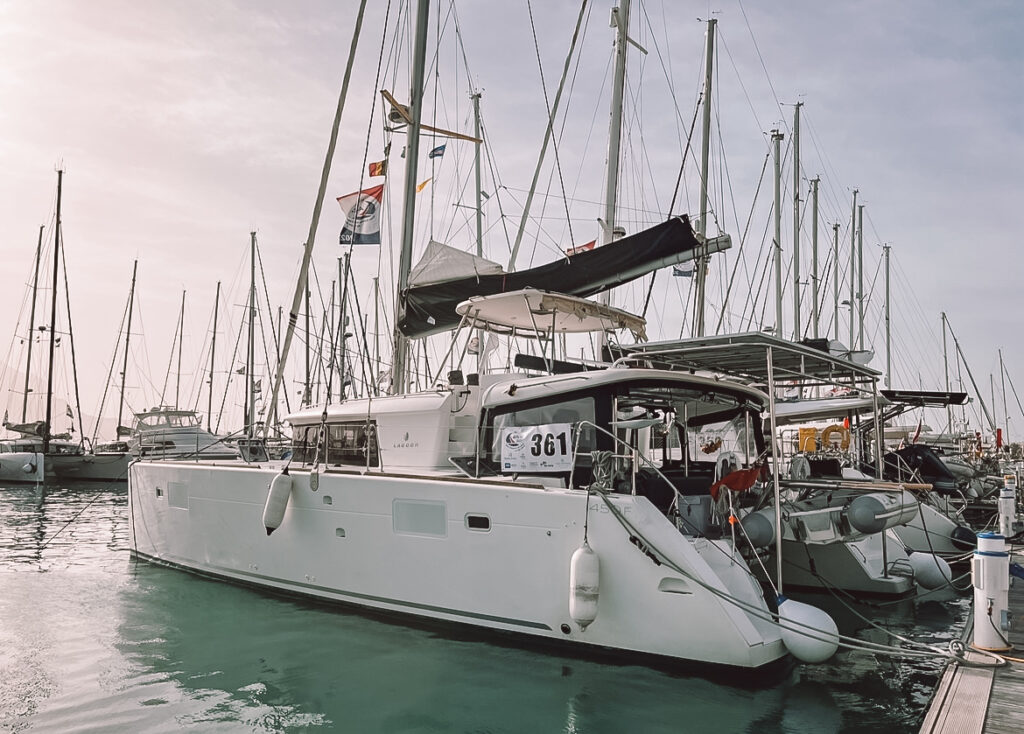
(53, 318)
(815, 277)
(32, 326)
(213, 353)
(853, 271)
(796, 222)
(860, 275)
(127, 342)
(181, 340)
(400, 360)
(250, 359)
(705, 151)
(777, 249)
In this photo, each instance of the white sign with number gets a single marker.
(541, 449)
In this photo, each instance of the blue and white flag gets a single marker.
(679, 271)
(437, 152)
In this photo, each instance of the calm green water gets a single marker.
(92, 641)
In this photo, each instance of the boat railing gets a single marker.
(604, 472)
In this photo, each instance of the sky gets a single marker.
(182, 127)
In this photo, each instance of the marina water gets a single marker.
(93, 641)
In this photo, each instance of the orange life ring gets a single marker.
(844, 437)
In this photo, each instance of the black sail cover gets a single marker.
(430, 308)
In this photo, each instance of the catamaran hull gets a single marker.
(494, 556)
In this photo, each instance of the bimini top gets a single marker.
(533, 313)
(744, 356)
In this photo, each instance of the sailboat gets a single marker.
(39, 453)
(518, 504)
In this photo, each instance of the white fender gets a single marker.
(803, 647)
(277, 501)
(584, 585)
(930, 571)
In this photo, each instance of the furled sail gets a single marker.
(430, 308)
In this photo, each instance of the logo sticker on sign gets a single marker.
(545, 449)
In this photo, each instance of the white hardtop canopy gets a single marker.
(532, 313)
(533, 388)
(821, 409)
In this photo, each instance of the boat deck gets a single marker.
(984, 700)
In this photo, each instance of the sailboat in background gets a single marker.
(40, 454)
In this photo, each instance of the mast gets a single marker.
(705, 149)
(53, 318)
(776, 140)
(400, 361)
(32, 325)
(307, 252)
(376, 334)
(835, 281)
(1002, 383)
(860, 272)
(213, 352)
(181, 340)
(343, 276)
(888, 332)
(796, 222)
(476, 169)
(945, 364)
(815, 305)
(853, 270)
(250, 358)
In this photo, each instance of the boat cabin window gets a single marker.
(348, 444)
(168, 420)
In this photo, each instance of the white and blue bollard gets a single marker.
(990, 571)
(1008, 506)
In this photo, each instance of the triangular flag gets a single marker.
(423, 185)
(581, 248)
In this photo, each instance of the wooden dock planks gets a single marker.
(983, 700)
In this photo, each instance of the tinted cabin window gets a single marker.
(304, 444)
(352, 443)
(347, 444)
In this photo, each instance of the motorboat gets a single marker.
(172, 433)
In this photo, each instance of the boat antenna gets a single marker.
(300, 286)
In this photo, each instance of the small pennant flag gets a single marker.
(420, 187)
(379, 168)
(581, 248)
(70, 414)
(679, 271)
(437, 152)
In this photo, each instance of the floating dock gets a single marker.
(984, 700)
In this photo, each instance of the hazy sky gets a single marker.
(184, 126)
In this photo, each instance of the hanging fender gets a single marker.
(277, 501)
